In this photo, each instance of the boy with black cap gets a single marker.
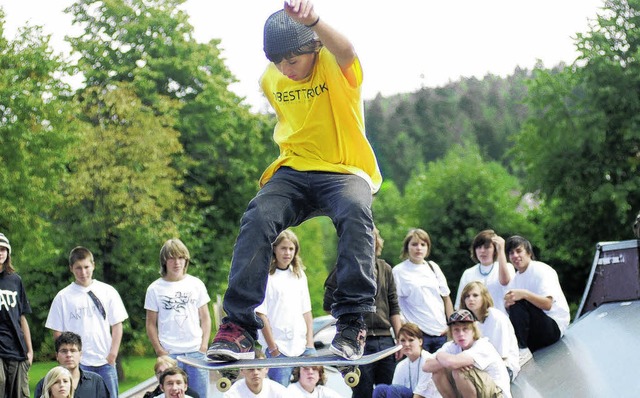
(16, 351)
(326, 167)
(468, 365)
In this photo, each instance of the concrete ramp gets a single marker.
(599, 355)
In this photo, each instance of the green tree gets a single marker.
(36, 129)
(150, 44)
(122, 201)
(581, 147)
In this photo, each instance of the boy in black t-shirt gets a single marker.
(16, 352)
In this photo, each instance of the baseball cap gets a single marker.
(461, 316)
(283, 35)
(4, 242)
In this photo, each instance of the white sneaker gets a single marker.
(525, 356)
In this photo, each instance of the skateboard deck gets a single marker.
(348, 368)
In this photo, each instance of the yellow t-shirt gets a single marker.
(320, 122)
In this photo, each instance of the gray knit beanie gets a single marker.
(283, 35)
(4, 242)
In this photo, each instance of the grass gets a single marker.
(136, 370)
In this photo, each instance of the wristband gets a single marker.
(314, 24)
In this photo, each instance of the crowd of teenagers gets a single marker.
(504, 310)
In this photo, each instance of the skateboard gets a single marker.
(229, 370)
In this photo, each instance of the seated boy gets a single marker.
(174, 383)
(86, 384)
(536, 305)
(468, 365)
(253, 383)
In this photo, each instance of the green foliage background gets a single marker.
(155, 145)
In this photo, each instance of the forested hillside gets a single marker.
(421, 127)
(155, 145)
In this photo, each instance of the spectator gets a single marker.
(326, 167)
(68, 353)
(16, 351)
(93, 310)
(174, 383)
(493, 324)
(253, 383)
(380, 324)
(534, 300)
(468, 366)
(57, 384)
(409, 380)
(286, 309)
(309, 382)
(177, 305)
(423, 292)
(487, 249)
(163, 363)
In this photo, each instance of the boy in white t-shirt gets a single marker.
(177, 305)
(93, 310)
(534, 300)
(468, 365)
(253, 383)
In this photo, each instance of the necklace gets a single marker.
(485, 273)
(417, 372)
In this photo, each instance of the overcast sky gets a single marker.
(403, 44)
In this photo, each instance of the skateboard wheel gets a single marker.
(357, 370)
(223, 384)
(352, 378)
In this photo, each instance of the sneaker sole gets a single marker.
(222, 355)
(339, 353)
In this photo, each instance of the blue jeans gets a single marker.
(279, 375)
(109, 374)
(287, 199)
(392, 391)
(432, 343)
(198, 378)
(376, 373)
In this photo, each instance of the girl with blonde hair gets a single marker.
(57, 383)
(286, 309)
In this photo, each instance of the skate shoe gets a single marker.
(351, 333)
(232, 343)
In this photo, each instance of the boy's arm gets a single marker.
(152, 332)
(542, 302)
(503, 271)
(303, 11)
(432, 365)
(205, 325)
(27, 337)
(116, 339)
(454, 361)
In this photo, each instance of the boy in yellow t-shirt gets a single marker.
(326, 167)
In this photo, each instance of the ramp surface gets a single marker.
(599, 357)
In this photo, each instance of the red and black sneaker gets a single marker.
(351, 333)
(232, 343)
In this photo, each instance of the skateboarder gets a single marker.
(326, 167)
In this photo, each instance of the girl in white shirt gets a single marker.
(409, 380)
(286, 309)
(423, 293)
